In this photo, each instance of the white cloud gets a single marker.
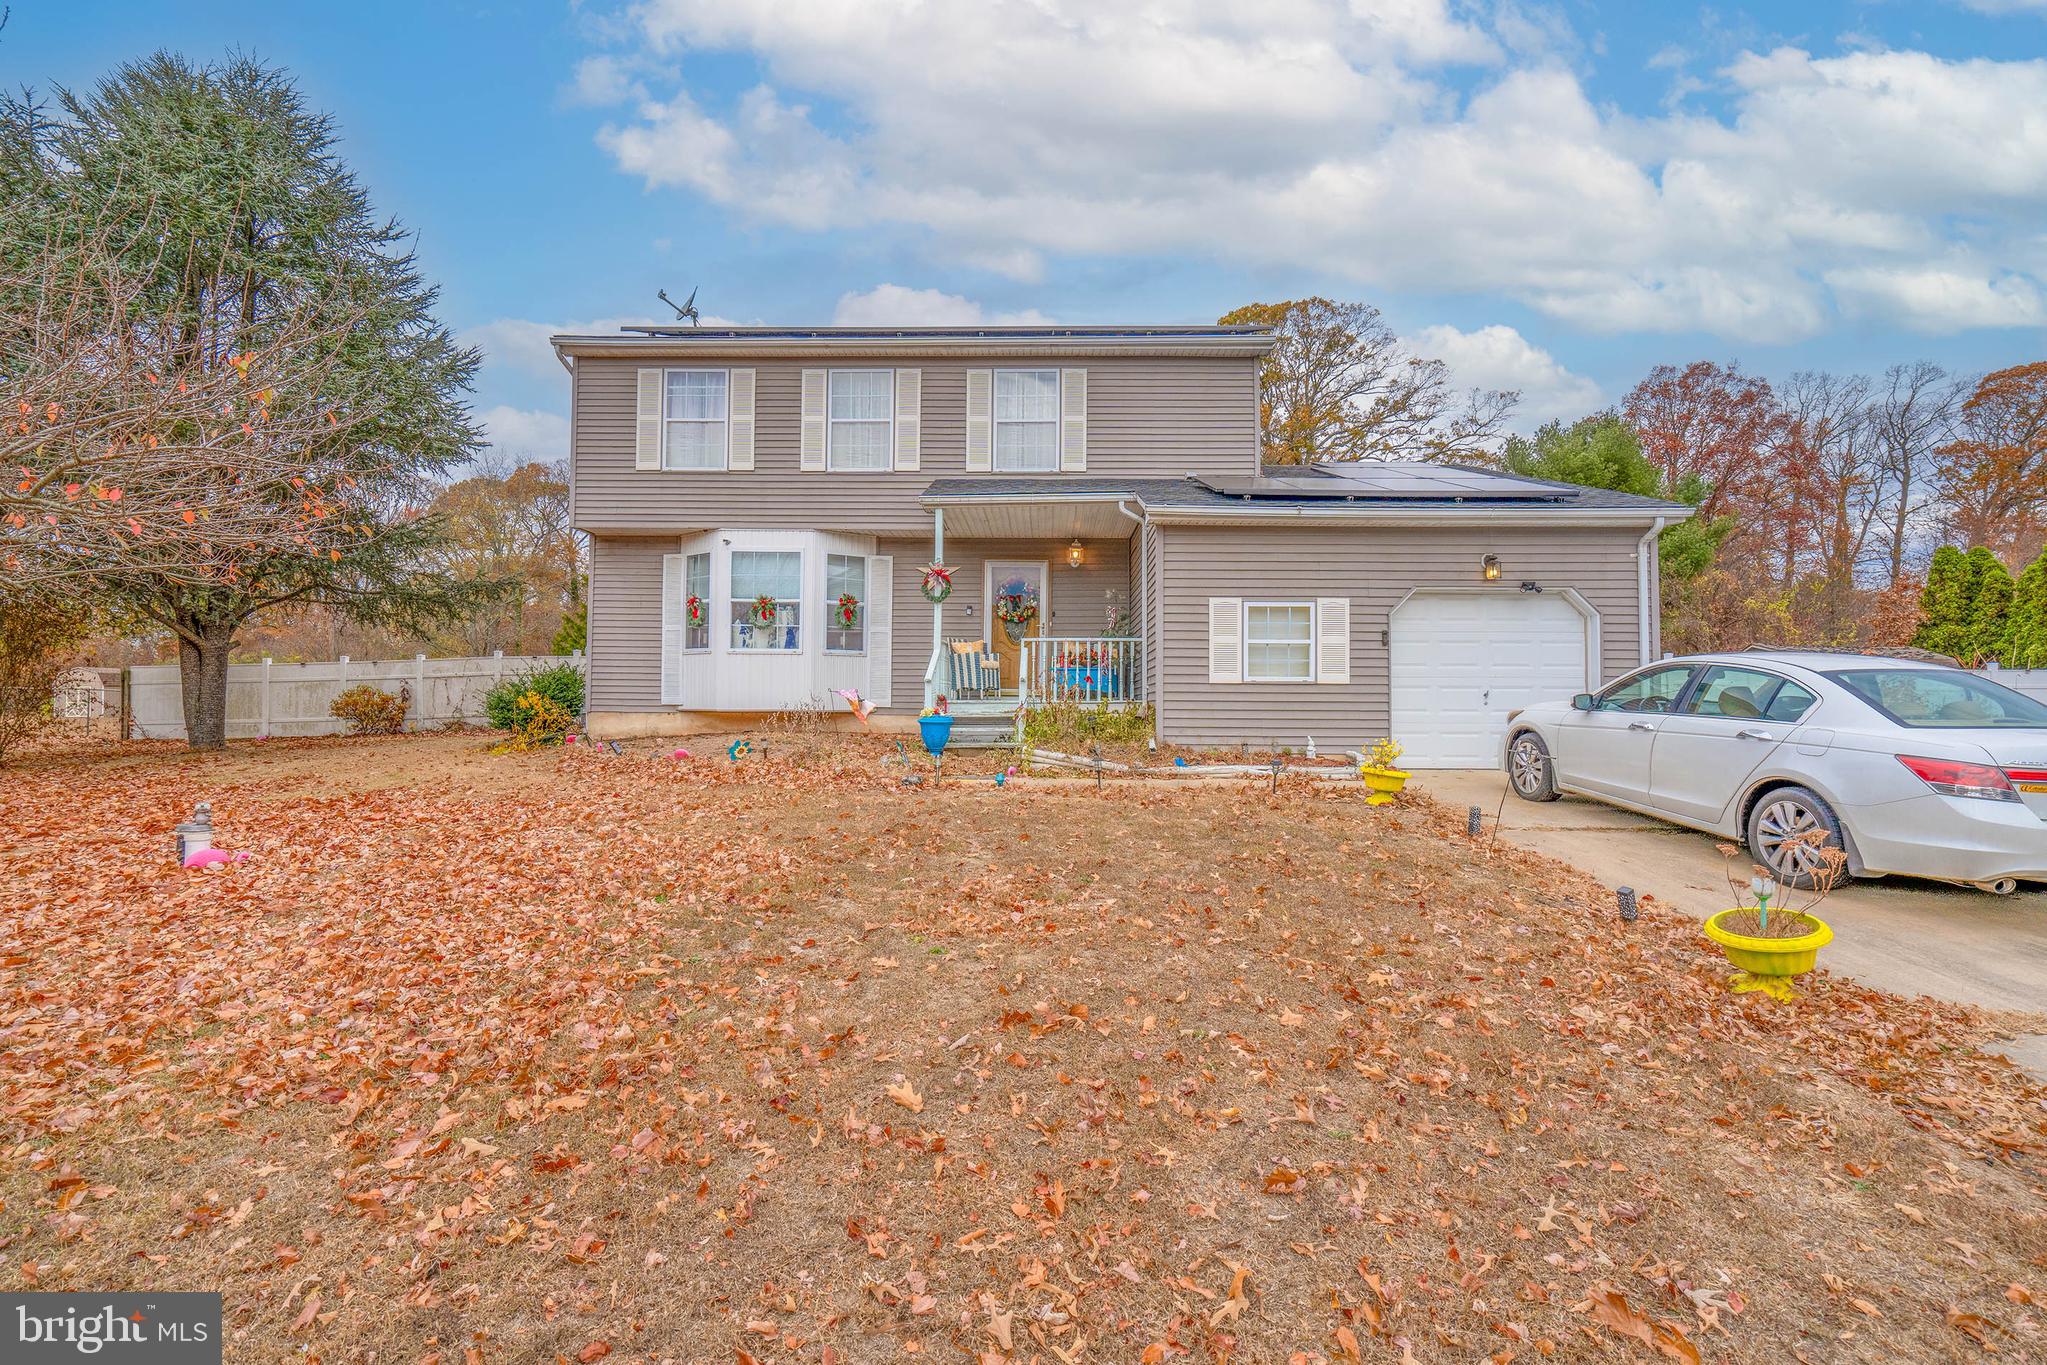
(894, 305)
(1499, 357)
(526, 433)
(1327, 134)
(1940, 300)
(603, 80)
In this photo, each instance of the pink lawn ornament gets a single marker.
(680, 753)
(208, 857)
(568, 739)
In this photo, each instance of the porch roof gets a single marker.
(1082, 505)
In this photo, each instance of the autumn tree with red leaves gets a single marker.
(1994, 473)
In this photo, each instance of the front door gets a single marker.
(1014, 585)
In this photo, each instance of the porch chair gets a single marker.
(971, 671)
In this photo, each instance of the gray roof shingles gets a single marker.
(1186, 493)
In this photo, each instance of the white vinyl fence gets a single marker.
(2031, 681)
(292, 699)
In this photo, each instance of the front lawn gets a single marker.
(571, 1056)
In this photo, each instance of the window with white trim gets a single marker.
(696, 601)
(767, 600)
(1026, 421)
(694, 411)
(860, 413)
(845, 576)
(1279, 642)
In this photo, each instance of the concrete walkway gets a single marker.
(1907, 937)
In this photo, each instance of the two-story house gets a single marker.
(762, 504)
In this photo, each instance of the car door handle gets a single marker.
(1753, 734)
(1640, 725)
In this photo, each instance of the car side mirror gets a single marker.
(1584, 701)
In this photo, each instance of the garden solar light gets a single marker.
(1474, 821)
(197, 833)
(1626, 898)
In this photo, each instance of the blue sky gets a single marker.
(1551, 197)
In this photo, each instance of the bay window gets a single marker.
(859, 408)
(845, 576)
(1026, 421)
(1279, 642)
(767, 600)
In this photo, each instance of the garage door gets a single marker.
(1462, 661)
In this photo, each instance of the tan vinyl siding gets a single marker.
(1081, 604)
(625, 624)
(1146, 418)
(1374, 569)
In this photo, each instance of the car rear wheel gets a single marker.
(1787, 829)
(1529, 771)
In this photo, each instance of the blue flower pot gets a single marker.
(937, 733)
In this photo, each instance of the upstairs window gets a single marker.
(860, 406)
(694, 432)
(767, 600)
(845, 576)
(1026, 421)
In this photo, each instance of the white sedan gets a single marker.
(1913, 768)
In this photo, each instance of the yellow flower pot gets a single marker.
(1768, 964)
(1384, 782)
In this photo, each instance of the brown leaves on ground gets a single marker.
(577, 1057)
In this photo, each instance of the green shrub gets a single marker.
(560, 683)
(537, 720)
(369, 710)
(1048, 727)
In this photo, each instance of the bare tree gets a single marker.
(1831, 476)
(1341, 385)
(1911, 416)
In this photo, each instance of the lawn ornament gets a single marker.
(1179, 762)
(1309, 752)
(209, 857)
(1001, 779)
(569, 739)
(612, 745)
(1474, 825)
(862, 708)
(1624, 898)
(680, 753)
(739, 748)
(195, 834)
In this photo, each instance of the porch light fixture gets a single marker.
(1074, 554)
(1489, 568)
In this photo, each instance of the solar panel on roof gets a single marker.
(1366, 482)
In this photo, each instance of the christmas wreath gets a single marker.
(848, 610)
(937, 582)
(694, 608)
(764, 610)
(1019, 607)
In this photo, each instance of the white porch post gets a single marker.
(934, 675)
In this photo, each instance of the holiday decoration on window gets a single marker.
(764, 609)
(694, 609)
(937, 582)
(1016, 606)
(847, 611)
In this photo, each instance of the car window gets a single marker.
(1748, 694)
(1943, 698)
(1651, 691)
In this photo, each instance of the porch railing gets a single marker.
(1088, 670)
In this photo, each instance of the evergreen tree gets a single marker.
(1945, 604)
(2026, 644)
(1989, 624)
(218, 187)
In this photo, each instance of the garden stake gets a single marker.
(1626, 897)
(1095, 754)
(1474, 821)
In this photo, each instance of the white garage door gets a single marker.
(1462, 661)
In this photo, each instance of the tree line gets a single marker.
(1819, 502)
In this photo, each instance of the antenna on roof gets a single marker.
(683, 311)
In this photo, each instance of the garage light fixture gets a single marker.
(1074, 554)
(1489, 568)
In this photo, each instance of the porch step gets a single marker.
(983, 729)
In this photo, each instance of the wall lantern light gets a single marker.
(1074, 555)
(1489, 568)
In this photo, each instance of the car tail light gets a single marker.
(1951, 777)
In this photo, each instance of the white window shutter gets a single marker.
(980, 421)
(813, 419)
(647, 439)
(1225, 639)
(1332, 639)
(881, 654)
(909, 419)
(739, 395)
(671, 629)
(1073, 421)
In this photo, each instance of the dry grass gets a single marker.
(572, 1056)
